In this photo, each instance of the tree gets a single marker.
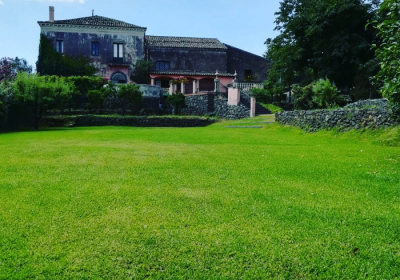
(40, 93)
(130, 97)
(9, 67)
(389, 52)
(318, 39)
(50, 62)
(141, 70)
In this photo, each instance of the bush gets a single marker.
(261, 95)
(95, 99)
(130, 98)
(325, 93)
(177, 100)
(304, 97)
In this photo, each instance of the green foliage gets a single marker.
(274, 109)
(9, 67)
(319, 39)
(177, 100)
(50, 62)
(40, 93)
(389, 52)
(130, 97)
(141, 70)
(95, 98)
(325, 93)
(261, 95)
(251, 78)
(304, 97)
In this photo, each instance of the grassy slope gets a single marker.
(116, 202)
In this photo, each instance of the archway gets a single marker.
(118, 78)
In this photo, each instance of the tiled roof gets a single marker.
(94, 21)
(184, 42)
(190, 73)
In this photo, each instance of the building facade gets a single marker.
(114, 46)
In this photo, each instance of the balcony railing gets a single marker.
(249, 86)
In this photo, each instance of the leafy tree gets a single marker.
(177, 100)
(261, 95)
(50, 62)
(40, 93)
(130, 97)
(389, 52)
(141, 71)
(9, 67)
(95, 98)
(325, 38)
(304, 97)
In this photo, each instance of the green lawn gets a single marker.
(199, 203)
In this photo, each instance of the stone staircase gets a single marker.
(245, 100)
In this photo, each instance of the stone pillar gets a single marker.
(233, 96)
(216, 85)
(198, 86)
(171, 87)
(252, 106)
(194, 86)
(152, 82)
(183, 88)
(175, 87)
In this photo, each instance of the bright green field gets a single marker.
(199, 203)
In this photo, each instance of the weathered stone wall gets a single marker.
(91, 120)
(214, 105)
(240, 60)
(202, 60)
(371, 114)
(78, 42)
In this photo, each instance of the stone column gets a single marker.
(198, 86)
(171, 87)
(194, 86)
(252, 106)
(183, 88)
(152, 82)
(216, 85)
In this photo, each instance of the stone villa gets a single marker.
(114, 46)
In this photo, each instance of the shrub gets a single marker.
(177, 100)
(325, 93)
(130, 97)
(261, 95)
(303, 97)
(95, 99)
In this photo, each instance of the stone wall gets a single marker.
(240, 60)
(214, 105)
(371, 114)
(91, 120)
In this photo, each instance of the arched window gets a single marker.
(118, 78)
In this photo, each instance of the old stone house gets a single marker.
(114, 46)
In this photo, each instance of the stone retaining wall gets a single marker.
(214, 105)
(348, 118)
(91, 120)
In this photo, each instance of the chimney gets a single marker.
(51, 14)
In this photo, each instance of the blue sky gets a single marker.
(244, 24)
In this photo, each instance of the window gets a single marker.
(118, 52)
(60, 46)
(247, 72)
(95, 48)
(162, 66)
(118, 78)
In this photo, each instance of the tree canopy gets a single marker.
(389, 52)
(320, 39)
(9, 67)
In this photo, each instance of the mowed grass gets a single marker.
(199, 203)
